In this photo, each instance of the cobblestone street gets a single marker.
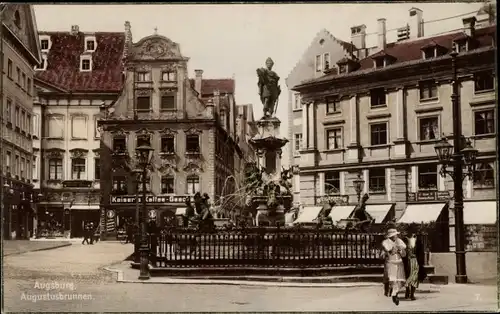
(77, 271)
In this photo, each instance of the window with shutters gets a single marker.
(143, 103)
(79, 127)
(167, 102)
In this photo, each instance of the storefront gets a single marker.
(123, 210)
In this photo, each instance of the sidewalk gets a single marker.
(14, 247)
(126, 274)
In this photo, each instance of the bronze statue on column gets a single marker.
(269, 90)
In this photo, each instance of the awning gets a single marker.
(85, 207)
(378, 212)
(480, 213)
(180, 211)
(422, 213)
(308, 214)
(341, 212)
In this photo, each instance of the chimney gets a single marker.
(75, 29)
(469, 25)
(382, 40)
(197, 81)
(128, 39)
(358, 36)
(416, 23)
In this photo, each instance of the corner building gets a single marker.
(381, 116)
(19, 53)
(190, 124)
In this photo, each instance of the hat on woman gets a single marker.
(392, 232)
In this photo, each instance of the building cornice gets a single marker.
(401, 76)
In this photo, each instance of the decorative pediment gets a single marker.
(193, 131)
(169, 67)
(168, 132)
(156, 47)
(168, 168)
(193, 168)
(143, 68)
(144, 91)
(78, 153)
(97, 152)
(119, 132)
(143, 132)
(167, 90)
(54, 153)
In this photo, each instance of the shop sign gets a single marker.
(328, 199)
(429, 196)
(111, 214)
(151, 199)
(152, 214)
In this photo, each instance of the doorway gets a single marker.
(79, 218)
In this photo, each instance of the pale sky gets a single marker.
(234, 40)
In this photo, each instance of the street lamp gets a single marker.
(463, 154)
(8, 207)
(358, 186)
(144, 155)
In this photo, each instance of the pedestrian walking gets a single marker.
(395, 249)
(85, 233)
(91, 233)
(414, 262)
(97, 233)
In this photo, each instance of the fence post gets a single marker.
(153, 252)
(137, 243)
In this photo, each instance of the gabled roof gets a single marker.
(63, 59)
(410, 51)
(224, 86)
(347, 47)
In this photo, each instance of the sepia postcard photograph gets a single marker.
(249, 157)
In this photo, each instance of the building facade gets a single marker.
(20, 53)
(190, 124)
(319, 58)
(380, 117)
(80, 73)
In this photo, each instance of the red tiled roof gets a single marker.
(63, 69)
(222, 85)
(410, 51)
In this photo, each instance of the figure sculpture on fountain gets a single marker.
(269, 90)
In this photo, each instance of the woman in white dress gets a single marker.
(394, 249)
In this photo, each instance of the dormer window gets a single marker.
(342, 68)
(43, 64)
(85, 63)
(379, 62)
(90, 44)
(45, 43)
(461, 45)
(429, 53)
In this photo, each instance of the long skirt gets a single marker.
(396, 275)
(412, 280)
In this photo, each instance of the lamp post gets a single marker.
(463, 154)
(144, 155)
(358, 186)
(8, 192)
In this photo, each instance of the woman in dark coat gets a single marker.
(414, 261)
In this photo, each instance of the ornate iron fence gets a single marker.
(265, 247)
